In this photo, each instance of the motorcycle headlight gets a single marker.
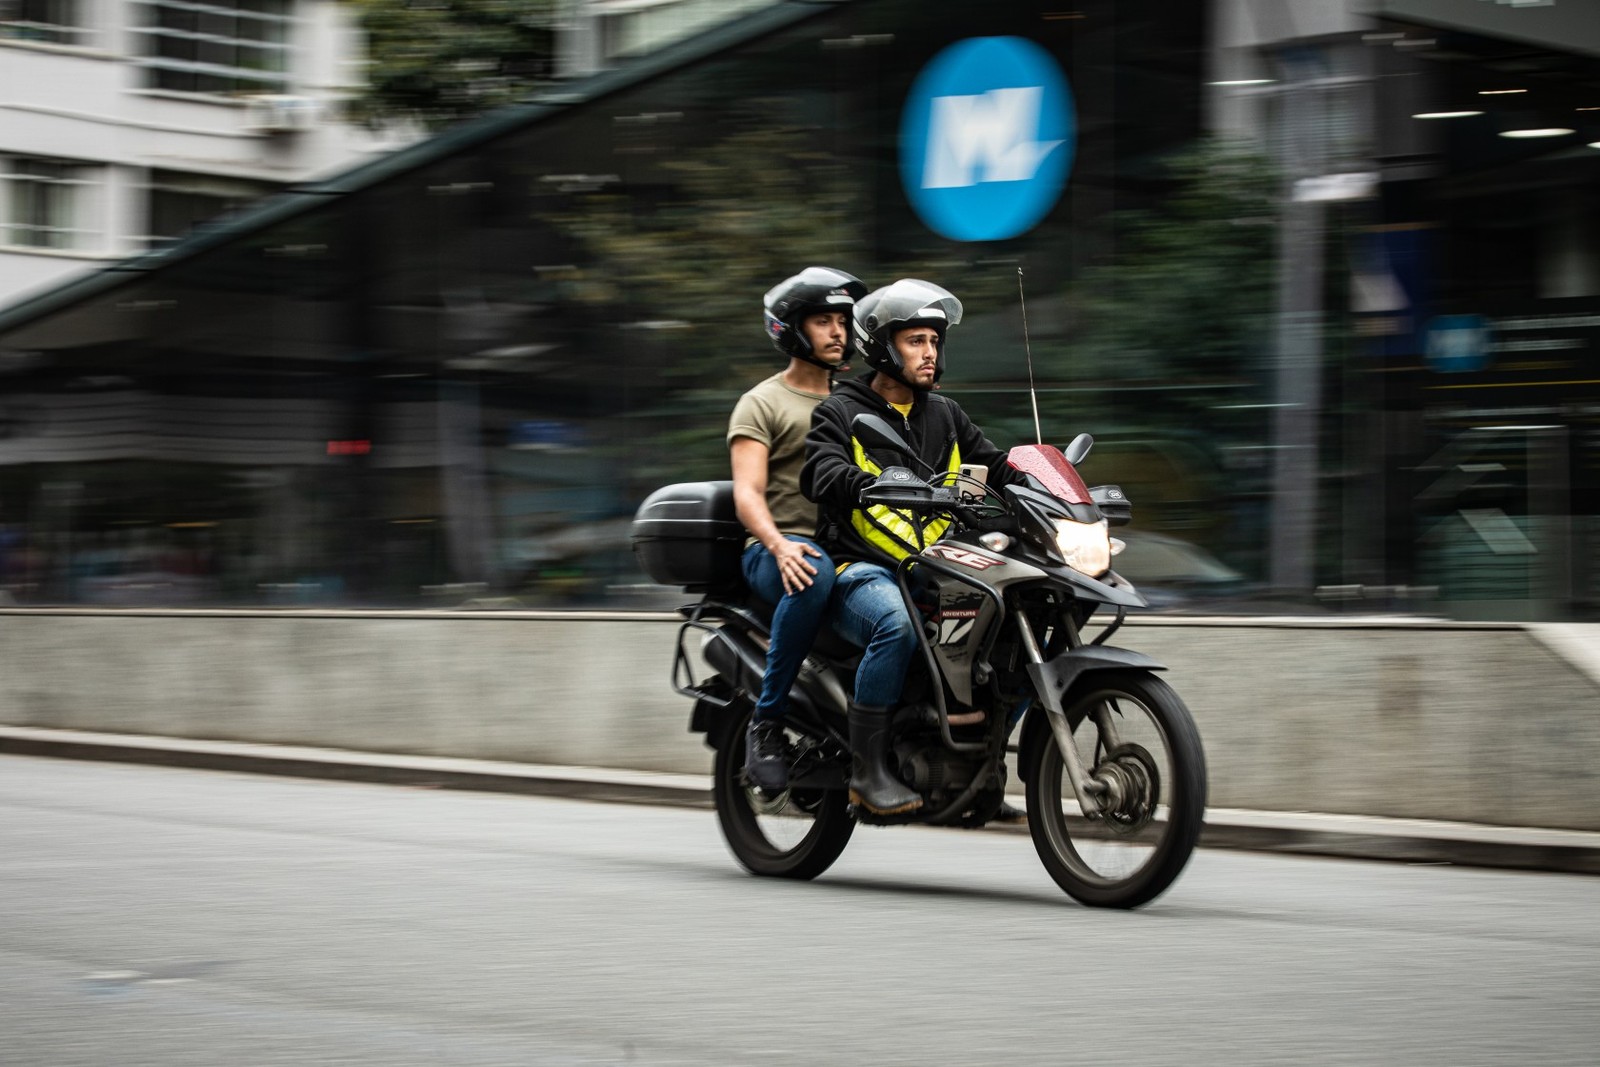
(1084, 546)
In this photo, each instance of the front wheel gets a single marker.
(797, 834)
(1136, 737)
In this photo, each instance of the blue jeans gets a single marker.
(868, 611)
(796, 618)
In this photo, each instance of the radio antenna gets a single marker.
(1027, 347)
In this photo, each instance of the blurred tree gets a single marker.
(727, 219)
(730, 218)
(1189, 290)
(1184, 308)
(440, 61)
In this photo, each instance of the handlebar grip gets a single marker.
(877, 494)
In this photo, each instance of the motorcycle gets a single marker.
(1111, 761)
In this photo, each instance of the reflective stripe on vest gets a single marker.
(893, 532)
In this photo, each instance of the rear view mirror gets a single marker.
(1113, 504)
(872, 431)
(1078, 450)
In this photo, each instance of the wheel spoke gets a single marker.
(780, 819)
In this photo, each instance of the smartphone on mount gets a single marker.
(972, 472)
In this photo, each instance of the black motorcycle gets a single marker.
(1114, 772)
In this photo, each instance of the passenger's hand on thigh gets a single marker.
(793, 567)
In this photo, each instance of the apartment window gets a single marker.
(47, 203)
(179, 202)
(46, 21)
(217, 47)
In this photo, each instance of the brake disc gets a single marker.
(1136, 785)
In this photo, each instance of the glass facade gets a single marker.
(222, 47)
(177, 202)
(1479, 389)
(449, 379)
(46, 203)
(46, 21)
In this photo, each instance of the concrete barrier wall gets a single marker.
(1472, 722)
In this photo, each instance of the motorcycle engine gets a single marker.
(933, 769)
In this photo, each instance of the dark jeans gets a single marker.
(796, 618)
(868, 611)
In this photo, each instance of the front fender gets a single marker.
(1054, 679)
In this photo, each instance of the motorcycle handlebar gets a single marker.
(909, 498)
(947, 500)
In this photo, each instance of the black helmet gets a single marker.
(813, 290)
(908, 302)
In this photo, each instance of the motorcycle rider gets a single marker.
(808, 318)
(899, 330)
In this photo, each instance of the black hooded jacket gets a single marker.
(838, 467)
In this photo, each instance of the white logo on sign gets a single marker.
(989, 137)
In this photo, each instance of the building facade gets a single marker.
(1438, 436)
(1341, 355)
(125, 123)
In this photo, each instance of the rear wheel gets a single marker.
(796, 834)
(1136, 737)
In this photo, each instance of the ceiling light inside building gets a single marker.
(1245, 81)
(1499, 92)
(1551, 131)
(1445, 114)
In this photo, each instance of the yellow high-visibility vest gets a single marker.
(893, 532)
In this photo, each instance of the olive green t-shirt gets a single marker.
(778, 415)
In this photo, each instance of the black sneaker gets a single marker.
(766, 756)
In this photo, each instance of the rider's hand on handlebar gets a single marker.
(793, 567)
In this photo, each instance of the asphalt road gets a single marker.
(152, 916)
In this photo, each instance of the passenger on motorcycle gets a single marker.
(808, 319)
(899, 331)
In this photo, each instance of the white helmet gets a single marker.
(884, 312)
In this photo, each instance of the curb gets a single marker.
(429, 772)
(1305, 833)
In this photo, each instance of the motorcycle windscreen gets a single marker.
(1050, 467)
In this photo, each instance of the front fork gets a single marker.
(1089, 790)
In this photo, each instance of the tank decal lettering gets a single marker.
(978, 561)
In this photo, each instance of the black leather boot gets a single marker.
(871, 784)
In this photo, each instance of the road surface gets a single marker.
(156, 916)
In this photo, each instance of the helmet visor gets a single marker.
(913, 300)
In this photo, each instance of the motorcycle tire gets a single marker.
(800, 839)
(1130, 855)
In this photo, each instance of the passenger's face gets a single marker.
(919, 354)
(827, 331)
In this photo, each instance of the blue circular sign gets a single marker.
(1457, 344)
(986, 139)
